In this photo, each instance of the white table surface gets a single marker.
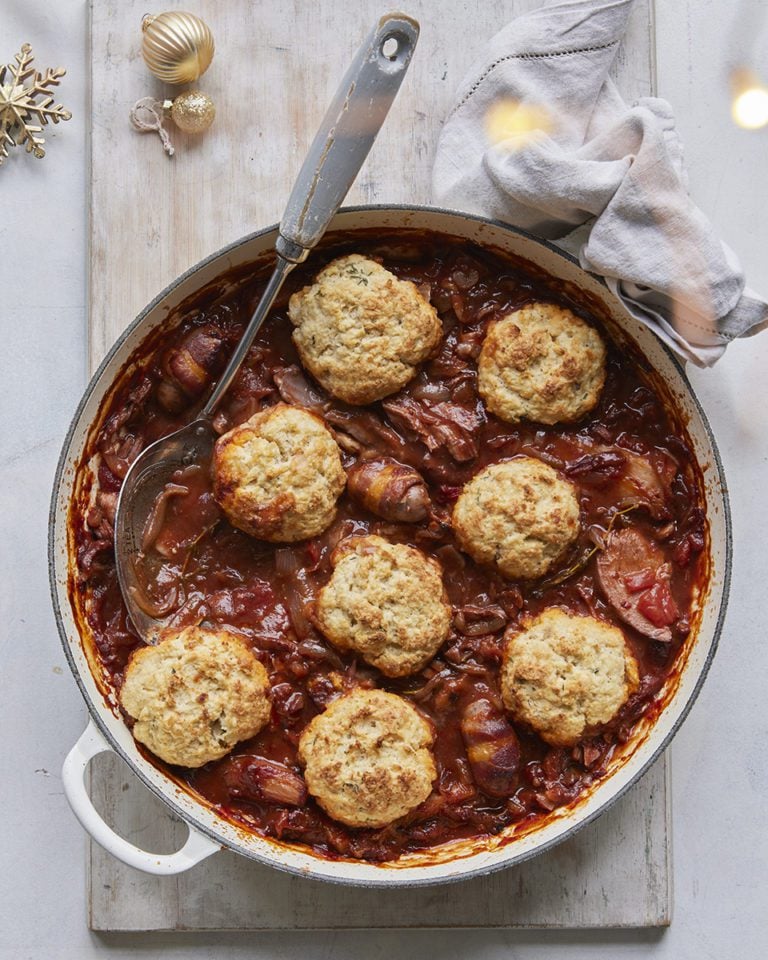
(720, 775)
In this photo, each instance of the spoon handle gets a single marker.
(339, 149)
(347, 132)
(280, 272)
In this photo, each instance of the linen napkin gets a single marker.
(541, 139)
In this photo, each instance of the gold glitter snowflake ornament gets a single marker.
(21, 103)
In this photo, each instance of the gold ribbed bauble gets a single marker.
(177, 47)
(192, 111)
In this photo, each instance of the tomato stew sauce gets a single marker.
(629, 460)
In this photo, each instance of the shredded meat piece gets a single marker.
(444, 424)
(294, 388)
(369, 431)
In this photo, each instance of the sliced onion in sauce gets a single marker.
(297, 591)
(157, 609)
(156, 518)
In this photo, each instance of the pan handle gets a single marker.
(90, 744)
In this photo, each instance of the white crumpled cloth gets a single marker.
(613, 168)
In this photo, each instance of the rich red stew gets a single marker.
(629, 459)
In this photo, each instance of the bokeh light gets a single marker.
(749, 107)
(516, 124)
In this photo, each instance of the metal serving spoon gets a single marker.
(340, 146)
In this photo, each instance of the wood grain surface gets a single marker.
(275, 69)
(614, 873)
(151, 217)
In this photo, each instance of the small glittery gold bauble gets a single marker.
(193, 111)
(177, 47)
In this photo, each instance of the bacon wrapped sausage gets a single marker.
(389, 489)
(189, 368)
(492, 748)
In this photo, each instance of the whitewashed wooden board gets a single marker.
(276, 67)
(614, 873)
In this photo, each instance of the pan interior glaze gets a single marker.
(465, 858)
